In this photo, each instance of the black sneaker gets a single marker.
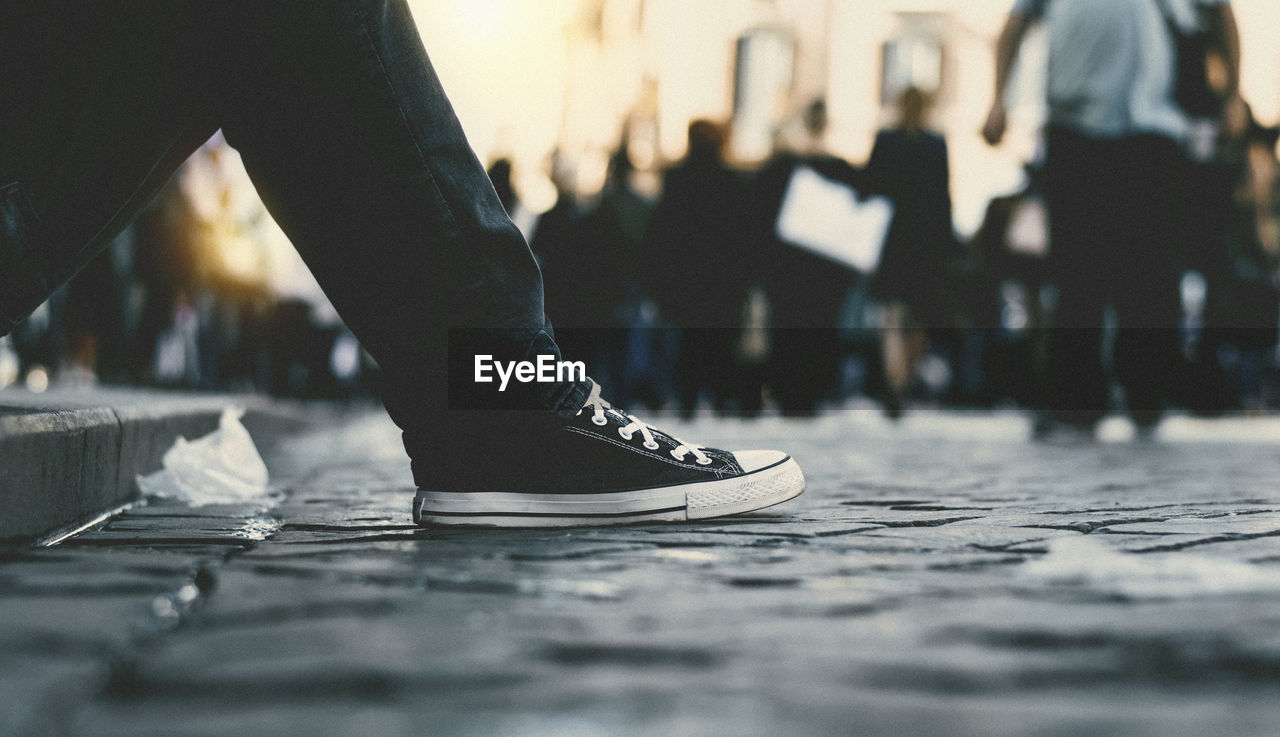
(601, 467)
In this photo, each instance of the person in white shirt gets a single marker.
(1113, 164)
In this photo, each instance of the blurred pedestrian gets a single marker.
(572, 262)
(1007, 299)
(502, 174)
(1113, 168)
(699, 225)
(806, 291)
(909, 164)
(1214, 287)
(594, 277)
(1251, 314)
(554, 241)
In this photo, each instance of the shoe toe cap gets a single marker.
(754, 460)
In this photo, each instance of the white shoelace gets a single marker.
(626, 432)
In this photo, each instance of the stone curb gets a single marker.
(68, 458)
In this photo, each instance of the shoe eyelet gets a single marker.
(601, 421)
(624, 435)
(651, 445)
(677, 456)
(703, 462)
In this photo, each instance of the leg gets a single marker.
(344, 127)
(1082, 219)
(897, 357)
(1147, 355)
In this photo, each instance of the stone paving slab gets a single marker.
(941, 577)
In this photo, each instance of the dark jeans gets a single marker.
(346, 133)
(1113, 227)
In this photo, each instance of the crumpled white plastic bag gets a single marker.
(222, 467)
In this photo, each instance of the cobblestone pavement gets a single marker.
(941, 577)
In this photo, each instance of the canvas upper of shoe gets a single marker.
(599, 449)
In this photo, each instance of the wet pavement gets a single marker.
(944, 576)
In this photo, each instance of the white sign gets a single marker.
(828, 219)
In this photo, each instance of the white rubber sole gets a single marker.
(758, 489)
